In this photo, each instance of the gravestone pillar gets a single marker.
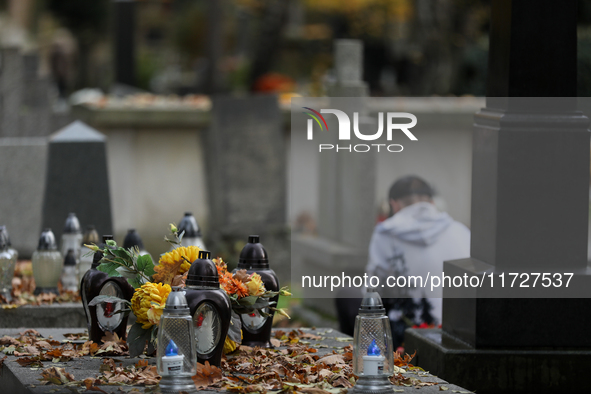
(77, 179)
(11, 91)
(530, 187)
(346, 190)
(246, 169)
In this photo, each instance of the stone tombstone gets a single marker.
(22, 173)
(77, 179)
(346, 190)
(11, 91)
(246, 165)
(349, 61)
(35, 110)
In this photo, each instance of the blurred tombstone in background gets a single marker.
(246, 175)
(346, 190)
(77, 179)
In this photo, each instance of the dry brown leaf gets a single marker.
(165, 273)
(29, 350)
(242, 276)
(206, 375)
(56, 375)
(30, 332)
(141, 363)
(8, 341)
(29, 362)
(275, 342)
(332, 359)
(312, 390)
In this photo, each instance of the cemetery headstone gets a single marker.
(22, 178)
(346, 186)
(11, 91)
(246, 167)
(77, 179)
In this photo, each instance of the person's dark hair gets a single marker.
(409, 186)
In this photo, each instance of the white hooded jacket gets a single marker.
(416, 241)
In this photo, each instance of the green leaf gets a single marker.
(109, 268)
(105, 298)
(250, 300)
(135, 282)
(127, 273)
(146, 265)
(123, 254)
(111, 243)
(136, 339)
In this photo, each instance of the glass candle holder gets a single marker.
(176, 358)
(47, 264)
(373, 354)
(72, 236)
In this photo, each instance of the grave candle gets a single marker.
(256, 328)
(177, 361)
(47, 264)
(373, 356)
(192, 232)
(210, 308)
(72, 236)
(101, 318)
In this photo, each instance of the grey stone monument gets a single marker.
(35, 110)
(346, 189)
(246, 168)
(22, 179)
(11, 91)
(530, 185)
(77, 179)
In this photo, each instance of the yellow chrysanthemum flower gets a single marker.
(172, 263)
(148, 302)
(255, 285)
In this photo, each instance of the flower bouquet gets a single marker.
(153, 283)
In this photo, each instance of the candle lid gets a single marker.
(3, 238)
(47, 240)
(70, 259)
(203, 272)
(372, 303)
(176, 303)
(253, 255)
(189, 225)
(72, 225)
(6, 236)
(132, 239)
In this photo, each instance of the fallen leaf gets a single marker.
(56, 375)
(206, 375)
(29, 362)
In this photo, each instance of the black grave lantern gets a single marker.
(210, 308)
(256, 328)
(102, 317)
